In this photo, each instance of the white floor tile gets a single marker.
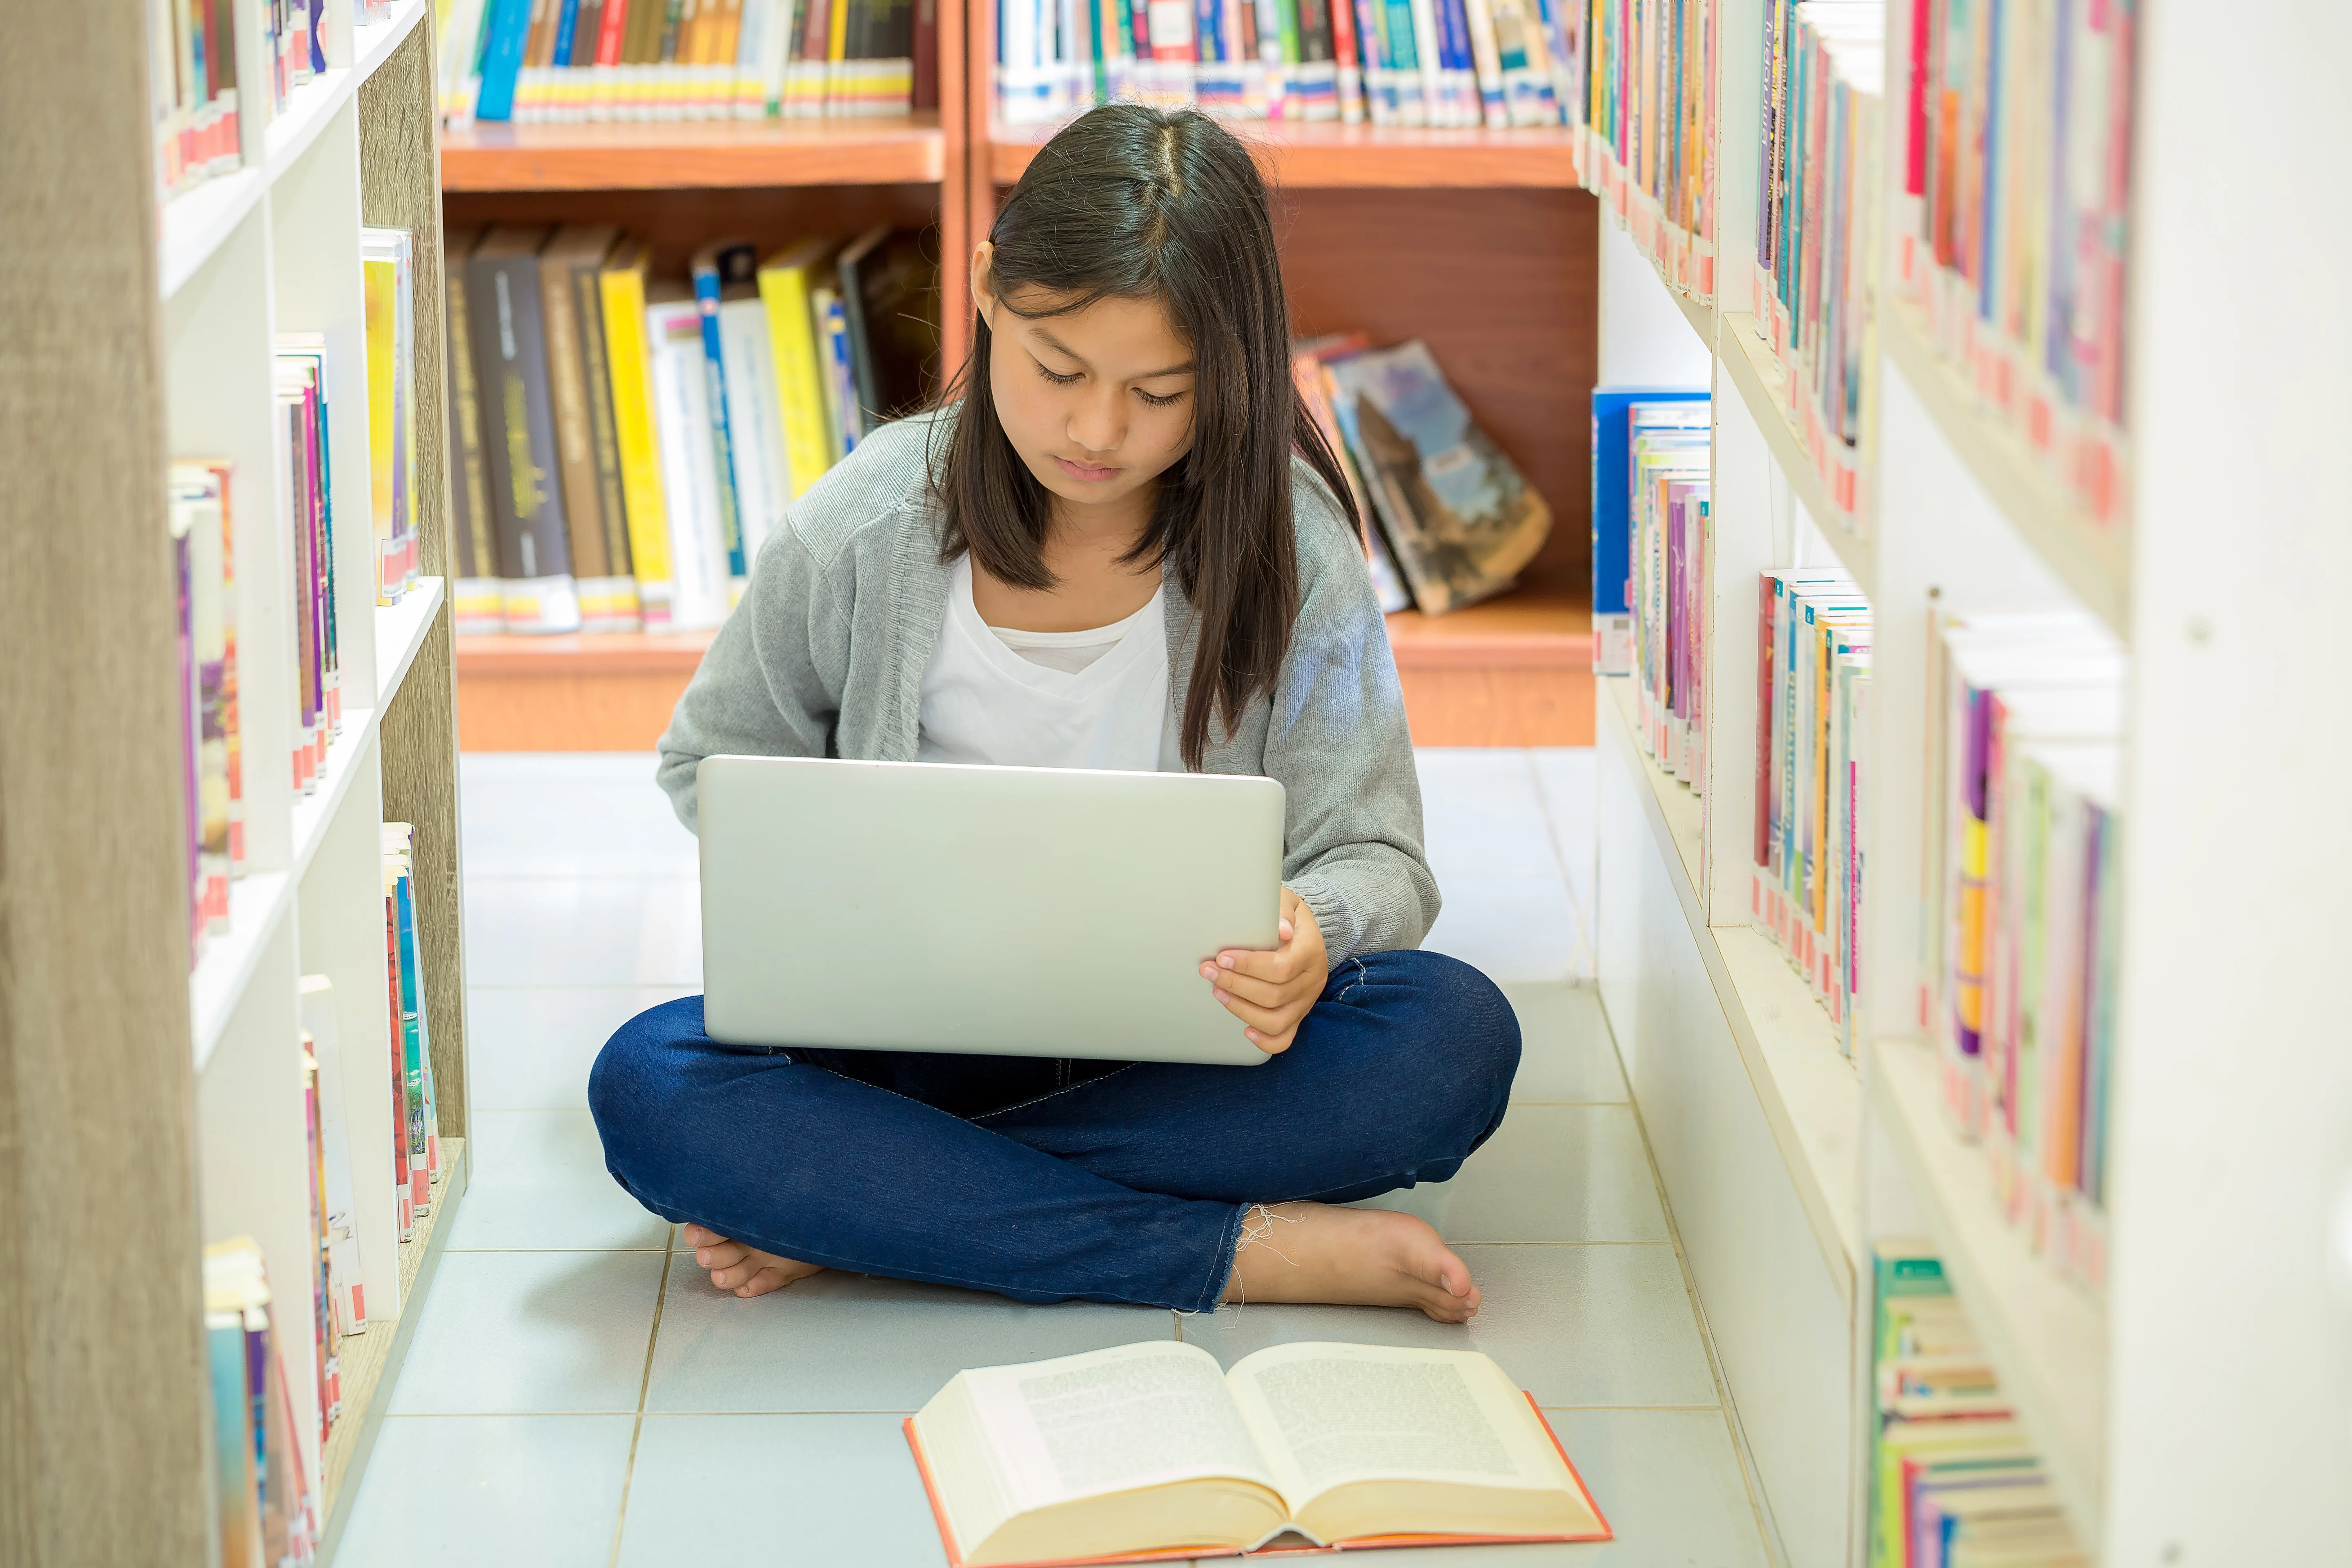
(1667, 1481)
(489, 1491)
(580, 930)
(846, 1484)
(1574, 1325)
(850, 1342)
(1551, 1172)
(532, 1333)
(1481, 812)
(1566, 1053)
(570, 813)
(539, 1184)
(1513, 925)
(529, 1048)
(1569, 780)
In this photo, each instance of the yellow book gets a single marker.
(785, 279)
(623, 286)
(381, 277)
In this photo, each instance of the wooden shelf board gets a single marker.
(1538, 626)
(1760, 386)
(2093, 561)
(400, 633)
(1327, 155)
(2047, 1340)
(890, 149)
(369, 1364)
(1808, 1088)
(599, 653)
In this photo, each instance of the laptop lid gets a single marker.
(1006, 911)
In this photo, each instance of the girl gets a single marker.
(1123, 548)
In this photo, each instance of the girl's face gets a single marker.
(1098, 401)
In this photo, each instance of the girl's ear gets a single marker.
(983, 298)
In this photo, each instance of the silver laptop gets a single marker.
(1010, 911)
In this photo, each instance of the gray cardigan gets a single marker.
(825, 655)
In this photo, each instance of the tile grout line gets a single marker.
(637, 1427)
(1585, 959)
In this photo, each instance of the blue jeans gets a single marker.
(1046, 1180)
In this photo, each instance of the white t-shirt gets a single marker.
(1095, 698)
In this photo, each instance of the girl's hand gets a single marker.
(1271, 993)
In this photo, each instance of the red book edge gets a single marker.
(956, 1560)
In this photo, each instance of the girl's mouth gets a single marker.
(1088, 473)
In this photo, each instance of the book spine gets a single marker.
(689, 480)
(799, 389)
(476, 607)
(752, 415)
(595, 366)
(518, 436)
(624, 299)
(1348, 55)
(731, 525)
(1487, 57)
(404, 1192)
(567, 383)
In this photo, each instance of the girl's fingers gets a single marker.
(1270, 1020)
(1249, 988)
(1281, 966)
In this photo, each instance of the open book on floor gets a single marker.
(1152, 1450)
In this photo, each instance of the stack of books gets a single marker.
(416, 1138)
(192, 87)
(1812, 696)
(2011, 229)
(211, 758)
(1649, 105)
(1448, 519)
(339, 1297)
(1954, 1480)
(267, 1512)
(1668, 494)
(559, 61)
(623, 443)
(2026, 744)
(1817, 218)
(1467, 63)
(317, 664)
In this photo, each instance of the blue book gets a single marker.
(508, 26)
(716, 267)
(1612, 479)
(566, 21)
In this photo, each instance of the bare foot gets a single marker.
(1364, 1258)
(746, 1270)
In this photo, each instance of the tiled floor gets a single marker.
(578, 1394)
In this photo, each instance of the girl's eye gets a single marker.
(1158, 401)
(1069, 380)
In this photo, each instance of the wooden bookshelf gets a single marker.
(155, 1105)
(1299, 155)
(896, 151)
(1514, 671)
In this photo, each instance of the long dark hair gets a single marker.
(1135, 203)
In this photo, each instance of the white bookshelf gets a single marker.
(192, 294)
(2197, 1411)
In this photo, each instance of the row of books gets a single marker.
(2026, 754)
(1467, 63)
(387, 258)
(2014, 220)
(1812, 695)
(1668, 493)
(416, 1137)
(1954, 1480)
(624, 442)
(1648, 102)
(266, 1508)
(572, 61)
(1817, 230)
(302, 406)
(1448, 518)
(192, 80)
(212, 761)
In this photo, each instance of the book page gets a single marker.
(1329, 1415)
(1110, 1421)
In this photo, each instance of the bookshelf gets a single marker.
(1317, 155)
(158, 1107)
(2184, 1413)
(906, 150)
